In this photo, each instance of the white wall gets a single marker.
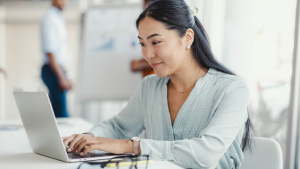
(2, 62)
(212, 16)
(23, 57)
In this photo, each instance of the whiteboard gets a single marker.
(109, 43)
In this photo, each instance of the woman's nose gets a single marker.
(148, 54)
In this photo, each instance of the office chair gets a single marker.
(266, 154)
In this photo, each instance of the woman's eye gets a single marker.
(155, 43)
(142, 44)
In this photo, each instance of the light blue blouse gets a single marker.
(207, 131)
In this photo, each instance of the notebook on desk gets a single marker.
(42, 131)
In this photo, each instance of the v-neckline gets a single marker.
(179, 114)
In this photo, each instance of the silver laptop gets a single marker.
(42, 131)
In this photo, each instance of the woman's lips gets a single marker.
(154, 65)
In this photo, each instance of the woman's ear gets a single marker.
(189, 37)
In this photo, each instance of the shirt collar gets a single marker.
(55, 9)
(210, 71)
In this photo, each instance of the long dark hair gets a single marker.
(176, 15)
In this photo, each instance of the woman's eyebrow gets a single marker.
(155, 34)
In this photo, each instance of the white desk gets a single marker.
(15, 151)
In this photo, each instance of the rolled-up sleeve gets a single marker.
(48, 34)
(206, 150)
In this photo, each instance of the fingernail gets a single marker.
(81, 154)
(70, 149)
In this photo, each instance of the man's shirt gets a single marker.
(54, 36)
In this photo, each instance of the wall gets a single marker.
(2, 83)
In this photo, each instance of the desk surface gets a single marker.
(15, 151)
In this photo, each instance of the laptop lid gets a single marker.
(40, 124)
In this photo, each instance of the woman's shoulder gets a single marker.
(217, 79)
(227, 81)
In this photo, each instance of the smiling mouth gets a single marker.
(156, 64)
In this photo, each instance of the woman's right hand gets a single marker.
(72, 140)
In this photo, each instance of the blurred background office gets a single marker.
(254, 38)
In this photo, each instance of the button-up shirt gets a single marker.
(54, 36)
(208, 129)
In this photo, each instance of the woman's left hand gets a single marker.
(116, 146)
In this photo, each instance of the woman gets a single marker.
(193, 111)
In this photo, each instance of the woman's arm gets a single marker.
(214, 140)
(128, 123)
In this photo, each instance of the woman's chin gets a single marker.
(160, 74)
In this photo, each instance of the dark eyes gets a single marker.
(153, 43)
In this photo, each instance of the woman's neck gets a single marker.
(186, 77)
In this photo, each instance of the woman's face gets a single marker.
(164, 50)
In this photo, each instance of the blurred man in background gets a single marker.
(55, 50)
(142, 65)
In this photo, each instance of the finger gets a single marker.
(90, 148)
(64, 142)
(67, 140)
(74, 141)
(84, 143)
(75, 147)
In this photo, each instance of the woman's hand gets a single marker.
(116, 146)
(72, 140)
